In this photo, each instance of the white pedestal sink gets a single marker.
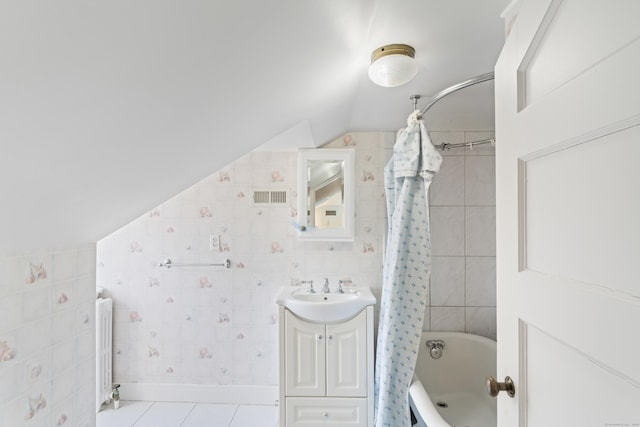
(325, 307)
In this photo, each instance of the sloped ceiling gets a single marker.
(108, 108)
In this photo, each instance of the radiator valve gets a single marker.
(115, 395)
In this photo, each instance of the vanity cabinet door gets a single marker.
(347, 358)
(305, 357)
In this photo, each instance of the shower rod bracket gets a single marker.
(414, 99)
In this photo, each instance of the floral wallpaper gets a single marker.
(47, 346)
(217, 326)
(211, 325)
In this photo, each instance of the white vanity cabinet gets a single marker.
(326, 371)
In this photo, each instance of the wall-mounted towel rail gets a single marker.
(448, 146)
(168, 264)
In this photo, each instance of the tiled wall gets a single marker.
(215, 326)
(463, 227)
(47, 346)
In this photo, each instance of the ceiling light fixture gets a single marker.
(393, 65)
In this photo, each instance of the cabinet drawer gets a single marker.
(326, 411)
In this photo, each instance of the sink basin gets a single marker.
(320, 307)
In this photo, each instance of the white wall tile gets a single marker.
(481, 231)
(35, 370)
(63, 326)
(448, 186)
(10, 312)
(36, 337)
(448, 281)
(447, 231)
(10, 385)
(481, 281)
(448, 319)
(10, 414)
(40, 357)
(36, 304)
(63, 387)
(64, 413)
(481, 321)
(63, 357)
(480, 180)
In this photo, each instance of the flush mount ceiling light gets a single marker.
(393, 65)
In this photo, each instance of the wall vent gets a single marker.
(270, 197)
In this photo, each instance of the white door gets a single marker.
(347, 358)
(305, 357)
(568, 214)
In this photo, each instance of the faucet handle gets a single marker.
(340, 290)
(310, 282)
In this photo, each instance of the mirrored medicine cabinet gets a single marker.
(326, 194)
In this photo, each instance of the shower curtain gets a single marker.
(407, 270)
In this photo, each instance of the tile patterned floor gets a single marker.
(174, 414)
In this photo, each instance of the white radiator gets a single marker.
(104, 330)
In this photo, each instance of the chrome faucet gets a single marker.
(325, 287)
(310, 282)
(340, 290)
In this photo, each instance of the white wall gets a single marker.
(217, 326)
(47, 344)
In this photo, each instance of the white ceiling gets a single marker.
(108, 108)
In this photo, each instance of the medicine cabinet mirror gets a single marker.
(326, 194)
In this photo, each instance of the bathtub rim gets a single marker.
(424, 405)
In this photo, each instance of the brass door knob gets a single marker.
(494, 386)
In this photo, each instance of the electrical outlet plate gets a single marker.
(214, 242)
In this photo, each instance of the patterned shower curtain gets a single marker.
(407, 270)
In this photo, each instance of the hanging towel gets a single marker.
(406, 272)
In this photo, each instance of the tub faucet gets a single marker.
(435, 348)
(325, 287)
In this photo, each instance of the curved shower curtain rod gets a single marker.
(448, 91)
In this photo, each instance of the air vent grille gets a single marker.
(270, 197)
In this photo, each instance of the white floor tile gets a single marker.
(126, 416)
(210, 415)
(254, 415)
(165, 414)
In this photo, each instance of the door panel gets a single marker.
(559, 242)
(568, 138)
(568, 27)
(572, 387)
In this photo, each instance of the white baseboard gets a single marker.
(200, 393)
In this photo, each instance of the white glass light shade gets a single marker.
(393, 65)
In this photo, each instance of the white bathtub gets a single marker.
(456, 380)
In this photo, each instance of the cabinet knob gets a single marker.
(319, 337)
(326, 415)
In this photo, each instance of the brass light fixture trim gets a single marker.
(393, 49)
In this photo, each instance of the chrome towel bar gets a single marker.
(168, 264)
